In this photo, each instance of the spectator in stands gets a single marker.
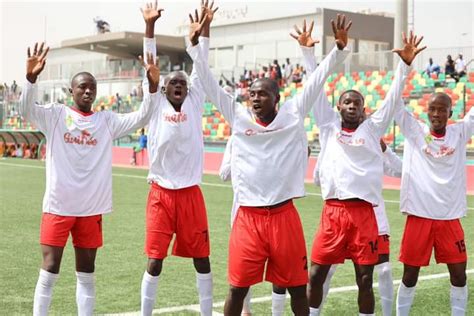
(14, 87)
(11, 152)
(297, 75)
(460, 66)
(431, 68)
(118, 102)
(142, 142)
(34, 151)
(288, 70)
(26, 151)
(277, 67)
(449, 68)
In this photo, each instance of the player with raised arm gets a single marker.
(268, 165)
(78, 174)
(351, 156)
(175, 203)
(433, 196)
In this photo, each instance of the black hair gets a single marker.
(272, 83)
(82, 73)
(352, 91)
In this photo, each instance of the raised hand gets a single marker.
(196, 27)
(341, 30)
(152, 71)
(410, 48)
(208, 9)
(151, 12)
(35, 63)
(304, 36)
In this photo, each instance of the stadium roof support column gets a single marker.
(401, 22)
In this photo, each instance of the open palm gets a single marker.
(151, 12)
(303, 36)
(410, 48)
(35, 62)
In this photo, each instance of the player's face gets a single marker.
(84, 90)
(263, 100)
(177, 88)
(351, 108)
(439, 111)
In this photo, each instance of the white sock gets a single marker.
(326, 285)
(458, 300)
(85, 293)
(404, 299)
(384, 271)
(313, 311)
(204, 287)
(278, 304)
(44, 292)
(247, 306)
(149, 288)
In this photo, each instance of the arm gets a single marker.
(315, 84)
(382, 117)
(307, 44)
(222, 100)
(224, 170)
(468, 122)
(392, 164)
(123, 124)
(39, 115)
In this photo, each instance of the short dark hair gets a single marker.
(82, 73)
(272, 83)
(444, 96)
(351, 91)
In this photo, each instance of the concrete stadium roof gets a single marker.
(125, 44)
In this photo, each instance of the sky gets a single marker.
(443, 23)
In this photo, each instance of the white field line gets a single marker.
(219, 185)
(342, 289)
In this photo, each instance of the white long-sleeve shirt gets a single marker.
(175, 139)
(268, 164)
(350, 164)
(79, 152)
(434, 174)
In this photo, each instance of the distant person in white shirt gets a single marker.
(351, 173)
(433, 196)
(78, 174)
(268, 166)
(175, 205)
(460, 66)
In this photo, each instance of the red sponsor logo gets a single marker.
(176, 118)
(85, 138)
(343, 139)
(442, 152)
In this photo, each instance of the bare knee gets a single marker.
(51, 258)
(154, 266)
(202, 265)
(364, 281)
(458, 279)
(297, 292)
(410, 275)
(318, 274)
(238, 293)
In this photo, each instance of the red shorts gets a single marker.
(181, 212)
(272, 236)
(383, 244)
(422, 234)
(86, 231)
(347, 228)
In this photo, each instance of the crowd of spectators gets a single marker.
(19, 151)
(454, 69)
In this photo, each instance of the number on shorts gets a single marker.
(461, 245)
(374, 246)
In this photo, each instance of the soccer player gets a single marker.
(392, 166)
(433, 196)
(268, 165)
(175, 203)
(78, 174)
(350, 171)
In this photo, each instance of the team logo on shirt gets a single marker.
(69, 121)
(442, 152)
(347, 139)
(176, 117)
(84, 138)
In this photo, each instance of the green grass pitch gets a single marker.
(121, 262)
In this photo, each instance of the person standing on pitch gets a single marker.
(351, 173)
(78, 174)
(175, 203)
(433, 196)
(268, 165)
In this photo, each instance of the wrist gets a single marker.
(31, 78)
(152, 88)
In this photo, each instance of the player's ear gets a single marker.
(163, 89)
(450, 112)
(70, 90)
